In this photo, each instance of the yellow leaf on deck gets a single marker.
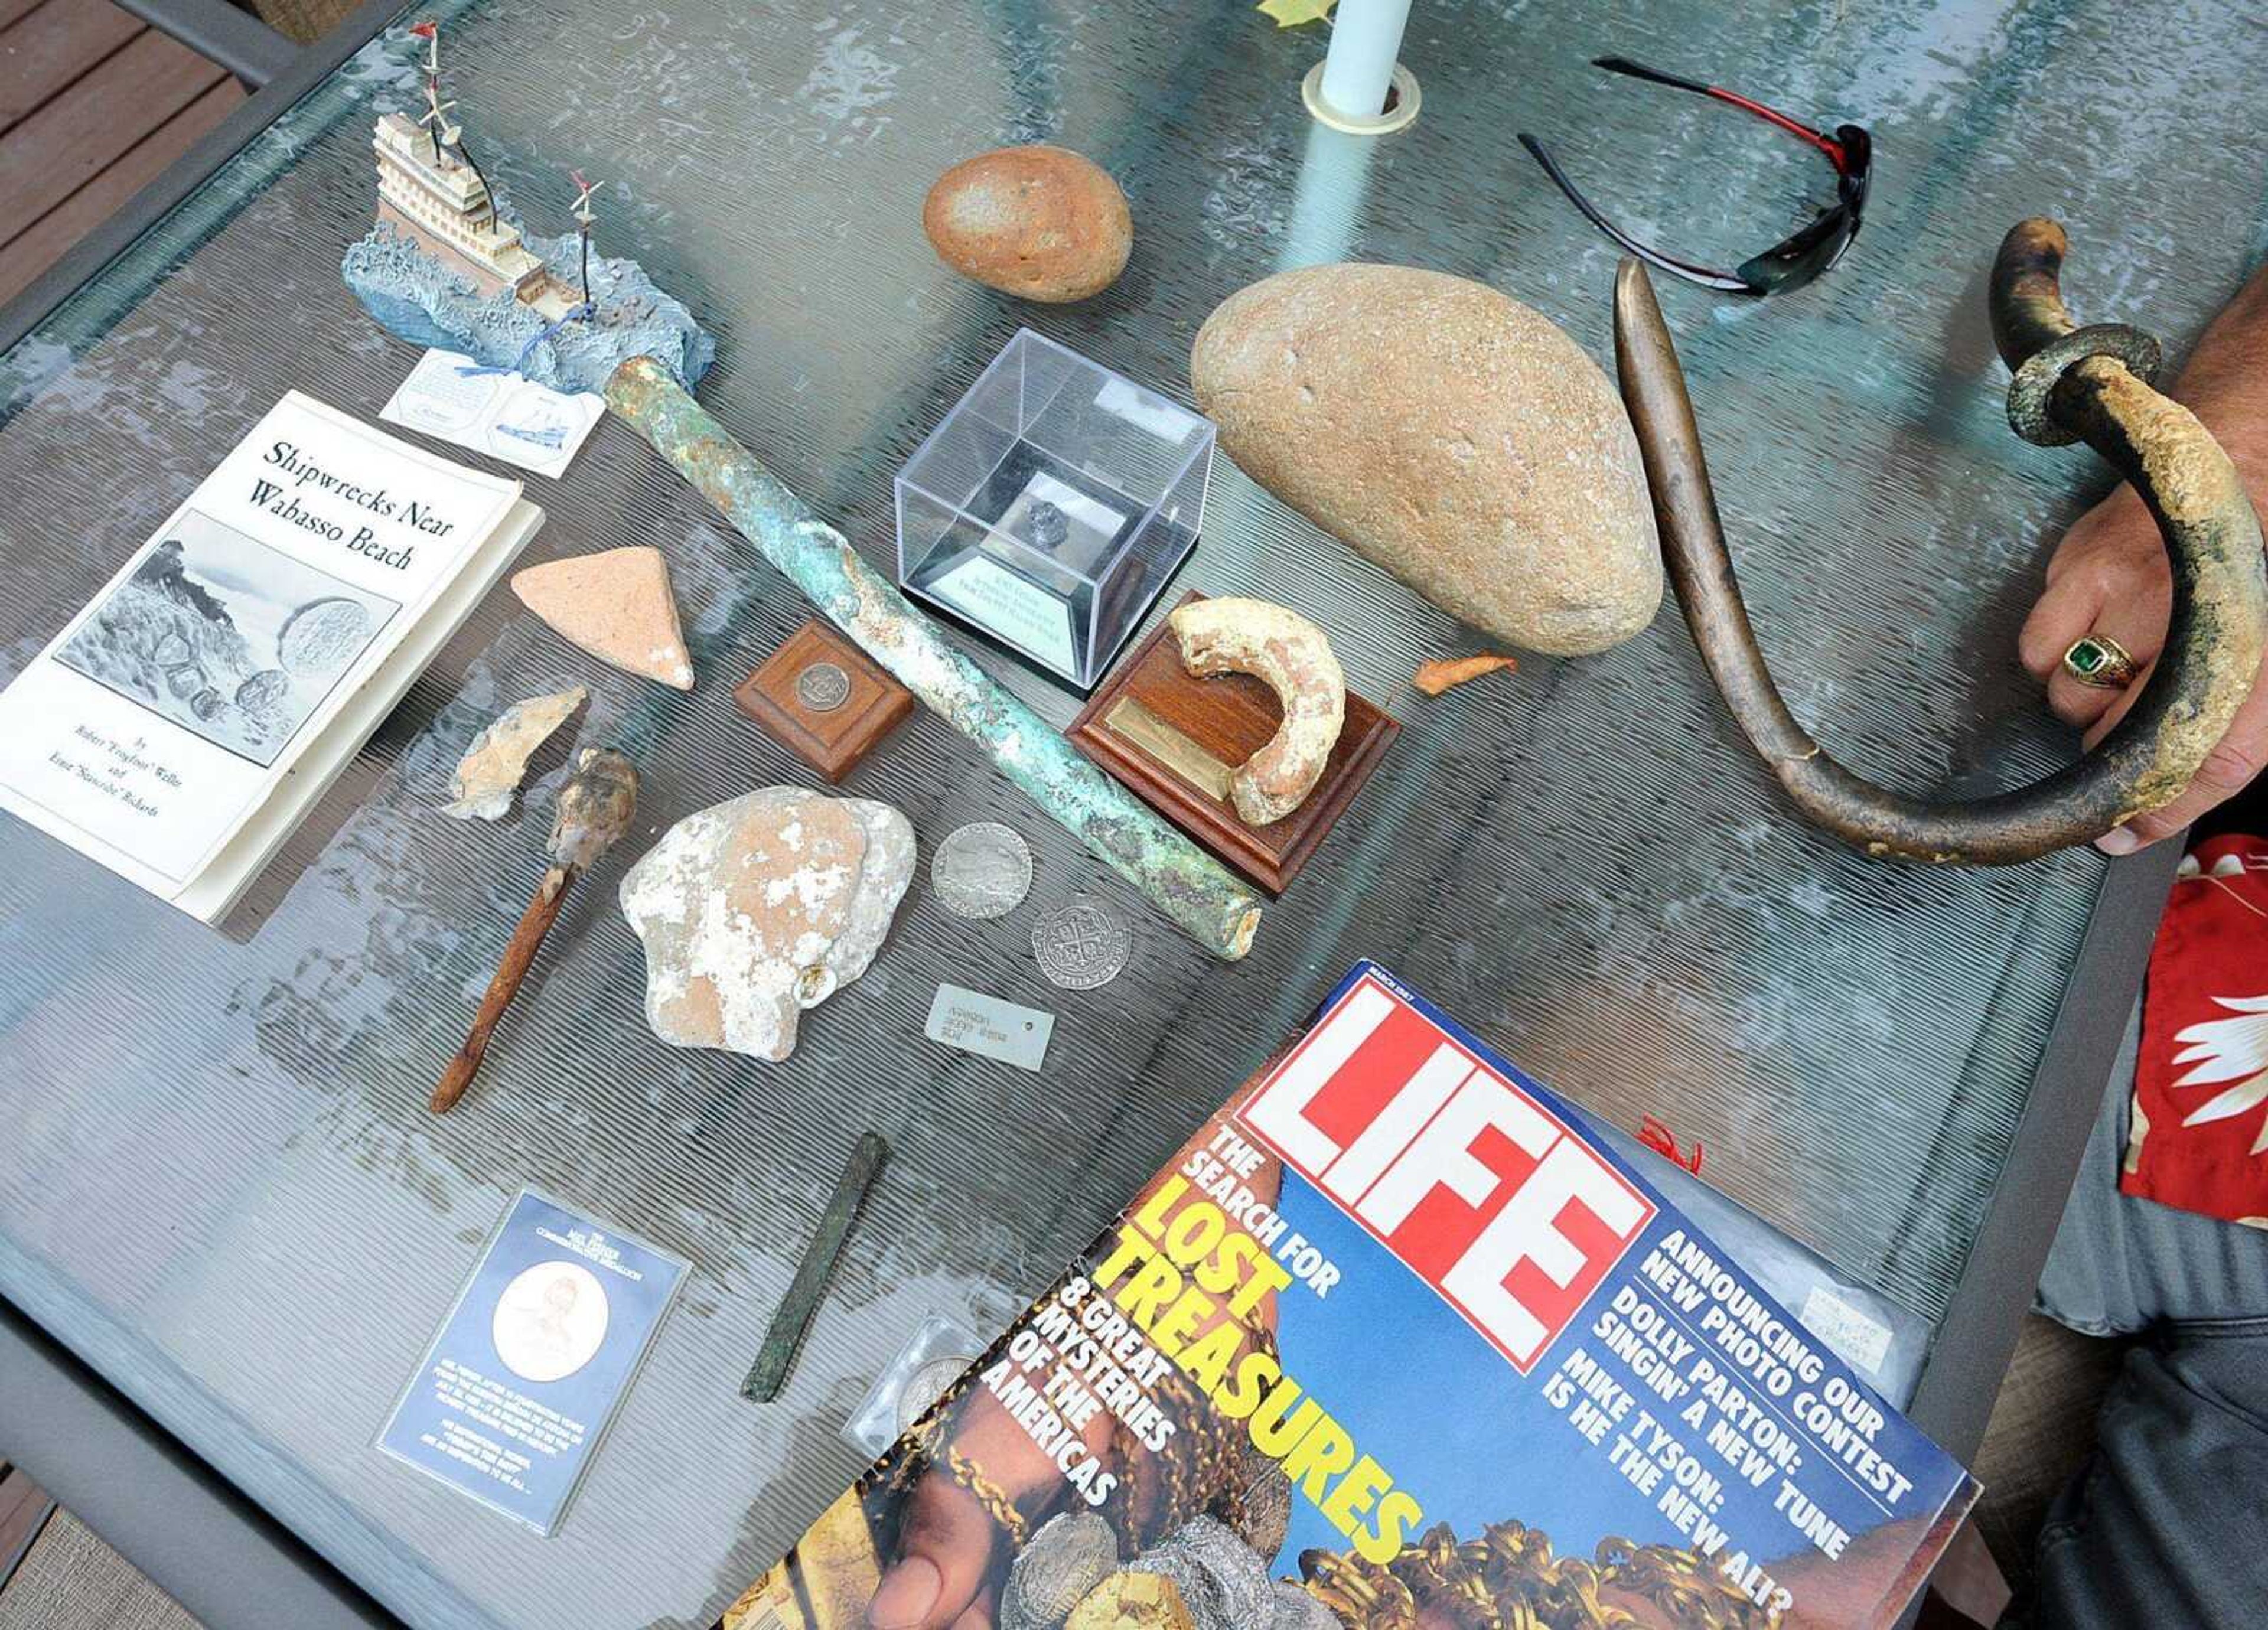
(1293, 13)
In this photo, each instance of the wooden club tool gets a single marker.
(596, 808)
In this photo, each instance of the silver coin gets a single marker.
(983, 870)
(1081, 943)
(822, 687)
(927, 1384)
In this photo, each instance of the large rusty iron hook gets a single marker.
(2071, 384)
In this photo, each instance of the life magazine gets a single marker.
(1389, 1345)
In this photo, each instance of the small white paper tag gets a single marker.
(1858, 1338)
(1151, 412)
(985, 1025)
(503, 415)
(1021, 613)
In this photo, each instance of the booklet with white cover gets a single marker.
(179, 726)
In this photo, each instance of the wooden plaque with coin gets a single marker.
(1174, 740)
(824, 700)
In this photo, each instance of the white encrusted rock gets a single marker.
(753, 909)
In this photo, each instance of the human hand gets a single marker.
(2110, 576)
(945, 1575)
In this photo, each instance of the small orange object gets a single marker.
(1434, 678)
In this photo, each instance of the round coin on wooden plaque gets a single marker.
(822, 687)
(1081, 943)
(982, 870)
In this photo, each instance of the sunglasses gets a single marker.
(1788, 264)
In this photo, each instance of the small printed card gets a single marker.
(503, 415)
(237, 659)
(523, 1377)
(987, 1025)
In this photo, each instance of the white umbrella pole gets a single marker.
(1365, 40)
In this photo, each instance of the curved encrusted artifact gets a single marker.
(1293, 659)
(2090, 384)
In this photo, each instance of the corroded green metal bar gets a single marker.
(1181, 880)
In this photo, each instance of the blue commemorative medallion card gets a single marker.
(518, 1385)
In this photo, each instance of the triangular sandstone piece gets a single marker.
(617, 606)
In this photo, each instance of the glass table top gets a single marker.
(218, 1178)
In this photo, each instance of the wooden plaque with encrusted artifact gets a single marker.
(1175, 739)
(823, 699)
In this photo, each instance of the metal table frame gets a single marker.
(236, 1566)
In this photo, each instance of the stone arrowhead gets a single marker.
(492, 766)
(617, 606)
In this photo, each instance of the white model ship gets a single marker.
(431, 192)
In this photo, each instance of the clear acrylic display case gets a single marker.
(1052, 505)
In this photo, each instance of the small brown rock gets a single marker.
(1446, 673)
(1042, 223)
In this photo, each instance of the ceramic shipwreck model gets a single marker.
(1292, 658)
(447, 265)
(755, 909)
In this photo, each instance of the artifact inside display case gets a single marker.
(1052, 504)
(823, 699)
(1180, 739)
(1450, 434)
(1042, 223)
(757, 908)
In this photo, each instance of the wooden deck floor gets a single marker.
(94, 104)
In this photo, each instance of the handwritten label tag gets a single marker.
(503, 415)
(985, 1025)
(1858, 1338)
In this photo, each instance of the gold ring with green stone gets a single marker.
(2100, 662)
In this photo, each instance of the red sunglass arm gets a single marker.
(1827, 144)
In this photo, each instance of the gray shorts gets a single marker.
(2169, 1525)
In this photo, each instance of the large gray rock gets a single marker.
(1454, 436)
(755, 909)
